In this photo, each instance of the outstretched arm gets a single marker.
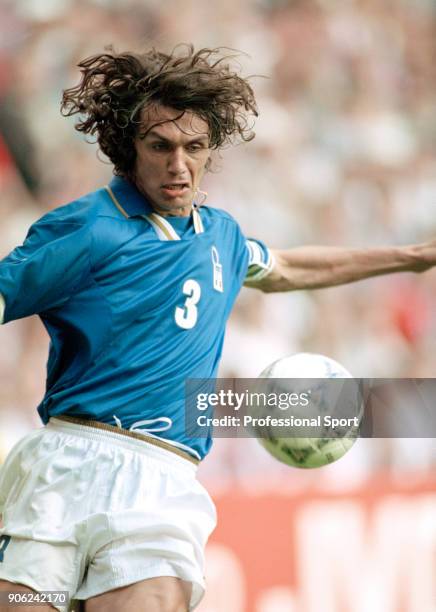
(314, 267)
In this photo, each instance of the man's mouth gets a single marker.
(175, 189)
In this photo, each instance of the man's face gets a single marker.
(171, 159)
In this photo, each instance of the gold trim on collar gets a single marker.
(158, 221)
(115, 201)
(198, 223)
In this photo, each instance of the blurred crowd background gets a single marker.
(345, 154)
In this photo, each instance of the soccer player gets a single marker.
(134, 283)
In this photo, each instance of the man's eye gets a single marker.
(159, 146)
(194, 147)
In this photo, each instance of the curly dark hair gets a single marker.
(116, 87)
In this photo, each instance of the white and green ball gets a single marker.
(309, 452)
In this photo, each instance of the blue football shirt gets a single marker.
(134, 304)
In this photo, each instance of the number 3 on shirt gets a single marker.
(186, 317)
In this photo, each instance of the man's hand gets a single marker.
(315, 267)
(426, 256)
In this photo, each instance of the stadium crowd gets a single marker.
(345, 154)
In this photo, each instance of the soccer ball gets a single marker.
(309, 441)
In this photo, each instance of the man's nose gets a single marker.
(176, 161)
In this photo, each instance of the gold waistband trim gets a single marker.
(130, 434)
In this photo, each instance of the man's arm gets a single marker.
(314, 267)
(45, 270)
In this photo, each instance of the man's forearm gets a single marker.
(317, 267)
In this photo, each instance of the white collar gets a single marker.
(166, 231)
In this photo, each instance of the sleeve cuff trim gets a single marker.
(2, 309)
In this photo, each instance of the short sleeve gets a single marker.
(260, 260)
(46, 270)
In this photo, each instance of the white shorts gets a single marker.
(89, 511)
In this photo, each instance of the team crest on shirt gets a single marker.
(217, 270)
